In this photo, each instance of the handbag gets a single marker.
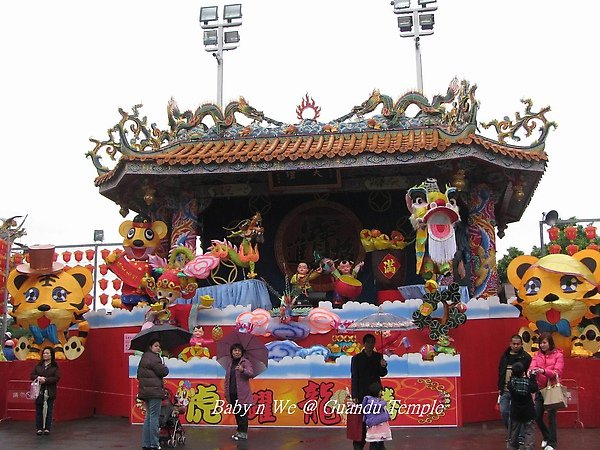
(354, 427)
(34, 389)
(555, 395)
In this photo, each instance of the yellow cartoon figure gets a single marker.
(47, 300)
(557, 291)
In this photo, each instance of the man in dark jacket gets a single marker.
(150, 374)
(513, 354)
(366, 368)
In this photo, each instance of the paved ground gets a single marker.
(113, 433)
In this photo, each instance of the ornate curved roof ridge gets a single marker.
(448, 119)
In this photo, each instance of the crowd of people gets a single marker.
(521, 380)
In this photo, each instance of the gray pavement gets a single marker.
(112, 433)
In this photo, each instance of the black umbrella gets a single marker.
(170, 337)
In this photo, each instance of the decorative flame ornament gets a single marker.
(308, 103)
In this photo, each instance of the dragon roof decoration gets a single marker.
(453, 115)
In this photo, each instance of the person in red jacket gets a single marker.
(547, 365)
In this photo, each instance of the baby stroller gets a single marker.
(171, 432)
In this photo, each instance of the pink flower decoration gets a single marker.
(201, 266)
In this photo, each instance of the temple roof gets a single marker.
(377, 136)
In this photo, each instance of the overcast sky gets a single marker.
(68, 65)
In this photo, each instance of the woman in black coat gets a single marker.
(150, 374)
(47, 374)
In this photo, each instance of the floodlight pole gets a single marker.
(404, 9)
(217, 49)
(418, 51)
(219, 56)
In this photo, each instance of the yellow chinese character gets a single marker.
(202, 405)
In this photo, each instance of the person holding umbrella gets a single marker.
(237, 389)
(150, 373)
(47, 374)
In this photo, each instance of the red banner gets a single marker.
(320, 402)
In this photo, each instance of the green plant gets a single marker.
(503, 263)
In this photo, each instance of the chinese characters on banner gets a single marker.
(320, 402)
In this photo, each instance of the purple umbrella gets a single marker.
(254, 350)
(380, 322)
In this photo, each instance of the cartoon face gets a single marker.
(529, 339)
(589, 338)
(428, 204)
(556, 291)
(141, 237)
(167, 296)
(302, 268)
(198, 332)
(57, 298)
(345, 267)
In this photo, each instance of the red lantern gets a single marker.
(554, 249)
(571, 232)
(593, 247)
(572, 249)
(78, 255)
(117, 284)
(103, 282)
(103, 298)
(553, 233)
(88, 299)
(89, 254)
(590, 232)
(105, 252)
(103, 269)
(90, 267)
(55, 257)
(66, 256)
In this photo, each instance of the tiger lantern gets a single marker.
(556, 292)
(47, 300)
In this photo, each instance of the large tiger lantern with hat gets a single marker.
(141, 238)
(433, 216)
(556, 292)
(47, 300)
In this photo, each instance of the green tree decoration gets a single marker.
(453, 315)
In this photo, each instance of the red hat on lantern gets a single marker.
(41, 261)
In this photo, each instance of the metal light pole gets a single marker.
(217, 40)
(413, 22)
